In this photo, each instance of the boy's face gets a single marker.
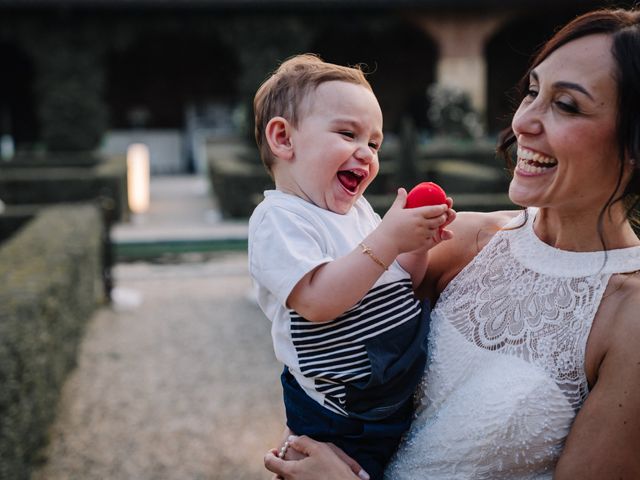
(335, 146)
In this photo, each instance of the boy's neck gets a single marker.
(286, 185)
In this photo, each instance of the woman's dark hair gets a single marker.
(624, 28)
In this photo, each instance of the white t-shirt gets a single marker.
(288, 237)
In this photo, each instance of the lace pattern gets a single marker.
(500, 305)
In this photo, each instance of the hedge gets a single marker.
(236, 176)
(470, 174)
(50, 275)
(65, 178)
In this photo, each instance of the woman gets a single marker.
(534, 367)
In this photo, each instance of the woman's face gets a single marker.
(566, 129)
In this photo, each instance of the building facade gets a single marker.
(185, 69)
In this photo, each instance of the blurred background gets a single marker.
(130, 344)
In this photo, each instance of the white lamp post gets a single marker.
(138, 177)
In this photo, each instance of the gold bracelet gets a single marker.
(368, 251)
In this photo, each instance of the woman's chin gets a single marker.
(521, 196)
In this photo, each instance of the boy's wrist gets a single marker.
(381, 246)
(368, 251)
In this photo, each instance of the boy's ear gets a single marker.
(278, 135)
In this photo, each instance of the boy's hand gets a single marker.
(416, 228)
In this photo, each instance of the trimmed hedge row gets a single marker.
(236, 176)
(470, 174)
(65, 178)
(50, 284)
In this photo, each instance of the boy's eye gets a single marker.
(374, 145)
(347, 133)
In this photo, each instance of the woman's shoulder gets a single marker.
(617, 325)
(626, 300)
(479, 227)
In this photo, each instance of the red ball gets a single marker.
(425, 193)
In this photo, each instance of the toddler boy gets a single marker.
(335, 280)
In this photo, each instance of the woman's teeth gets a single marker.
(534, 162)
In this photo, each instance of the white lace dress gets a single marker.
(505, 375)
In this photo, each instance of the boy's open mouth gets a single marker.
(350, 179)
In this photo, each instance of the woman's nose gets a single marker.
(527, 120)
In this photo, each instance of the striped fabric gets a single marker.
(334, 353)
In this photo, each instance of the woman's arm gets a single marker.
(604, 441)
(471, 232)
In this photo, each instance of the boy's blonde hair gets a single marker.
(284, 91)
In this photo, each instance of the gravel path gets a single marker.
(183, 385)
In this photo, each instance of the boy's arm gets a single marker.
(332, 288)
(415, 264)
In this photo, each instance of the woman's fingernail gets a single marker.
(291, 438)
(363, 475)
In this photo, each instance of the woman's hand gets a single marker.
(322, 461)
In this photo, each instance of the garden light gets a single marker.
(138, 177)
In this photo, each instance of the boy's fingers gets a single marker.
(451, 216)
(401, 198)
(432, 211)
(446, 234)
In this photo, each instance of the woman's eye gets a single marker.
(531, 93)
(567, 107)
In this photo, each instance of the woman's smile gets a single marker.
(531, 162)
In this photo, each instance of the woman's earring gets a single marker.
(632, 162)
